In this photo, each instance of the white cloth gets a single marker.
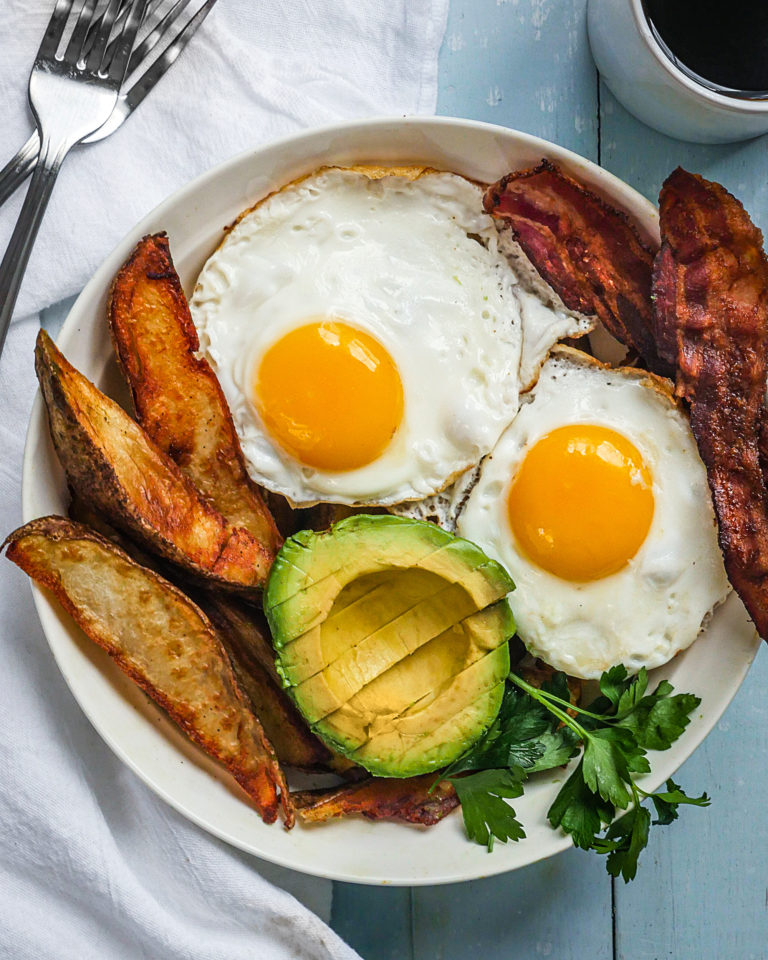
(92, 865)
(254, 71)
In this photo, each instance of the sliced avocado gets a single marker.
(362, 607)
(307, 558)
(424, 752)
(444, 669)
(391, 638)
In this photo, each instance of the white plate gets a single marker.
(355, 849)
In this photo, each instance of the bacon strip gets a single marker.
(587, 251)
(408, 800)
(711, 294)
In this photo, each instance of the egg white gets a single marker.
(411, 260)
(653, 607)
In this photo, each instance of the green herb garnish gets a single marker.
(535, 730)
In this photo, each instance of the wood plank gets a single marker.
(558, 908)
(523, 64)
(376, 921)
(702, 886)
(643, 158)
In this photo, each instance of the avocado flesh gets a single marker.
(427, 674)
(422, 754)
(301, 599)
(396, 656)
(361, 608)
(406, 658)
(403, 705)
(335, 683)
(312, 606)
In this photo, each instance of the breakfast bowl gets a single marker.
(352, 849)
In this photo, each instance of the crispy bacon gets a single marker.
(408, 800)
(762, 446)
(587, 251)
(711, 294)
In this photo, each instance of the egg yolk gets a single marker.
(329, 395)
(581, 504)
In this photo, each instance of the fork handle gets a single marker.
(23, 238)
(16, 171)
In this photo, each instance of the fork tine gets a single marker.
(99, 37)
(152, 8)
(76, 45)
(55, 29)
(161, 28)
(143, 83)
(115, 67)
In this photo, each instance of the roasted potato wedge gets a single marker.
(161, 640)
(176, 394)
(377, 798)
(118, 470)
(245, 635)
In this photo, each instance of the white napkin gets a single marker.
(253, 72)
(92, 865)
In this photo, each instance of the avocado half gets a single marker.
(391, 637)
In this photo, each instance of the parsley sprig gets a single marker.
(536, 730)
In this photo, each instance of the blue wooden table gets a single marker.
(702, 888)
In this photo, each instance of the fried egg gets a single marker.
(596, 502)
(367, 333)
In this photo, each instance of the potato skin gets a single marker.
(162, 641)
(176, 394)
(113, 466)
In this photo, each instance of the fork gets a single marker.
(71, 96)
(142, 75)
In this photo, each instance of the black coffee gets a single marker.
(722, 41)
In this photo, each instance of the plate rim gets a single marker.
(48, 613)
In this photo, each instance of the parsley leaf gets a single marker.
(579, 811)
(666, 804)
(614, 683)
(524, 735)
(658, 720)
(558, 748)
(605, 766)
(623, 842)
(486, 814)
(617, 730)
(536, 730)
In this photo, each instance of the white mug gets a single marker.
(643, 77)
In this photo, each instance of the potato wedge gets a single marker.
(176, 394)
(245, 635)
(162, 641)
(115, 467)
(408, 800)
